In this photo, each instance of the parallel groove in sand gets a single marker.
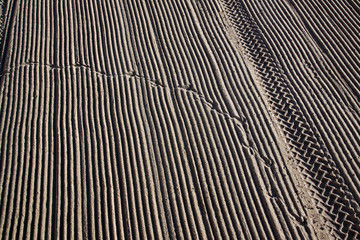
(137, 119)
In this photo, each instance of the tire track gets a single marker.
(337, 122)
(302, 139)
(341, 120)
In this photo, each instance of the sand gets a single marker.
(180, 119)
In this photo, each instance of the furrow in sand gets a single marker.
(30, 211)
(155, 173)
(169, 73)
(43, 199)
(147, 119)
(11, 166)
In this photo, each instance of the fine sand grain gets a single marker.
(188, 119)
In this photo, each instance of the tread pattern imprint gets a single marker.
(330, 191)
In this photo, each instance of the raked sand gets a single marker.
(187, 119)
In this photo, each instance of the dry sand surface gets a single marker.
(180, 119)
